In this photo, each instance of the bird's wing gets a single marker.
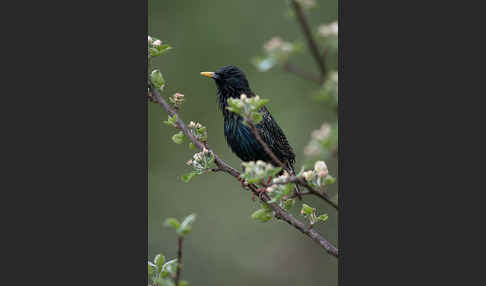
(273, 135)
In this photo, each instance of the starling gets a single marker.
(231, 83)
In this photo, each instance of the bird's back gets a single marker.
(242, 142)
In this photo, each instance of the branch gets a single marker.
(320, 61)
(264, 145)
(293, 179)
(279, 212)
(312, 191)
(179, 260)
(302, 73)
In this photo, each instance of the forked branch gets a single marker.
(223, 166)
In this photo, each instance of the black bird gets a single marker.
(231, 83)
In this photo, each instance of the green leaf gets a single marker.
(266, 207)
(159, 261)
(183, 283)
(157, 79)
(172, 222)
(322, 218)
(273, 172)
(288, 204)
(171, 120)
(192, 146)
(186, 225)
(178, 138)
(160, 281)
(170, 267)
(329, 180)
(187, 177)
(261, 103)
(257, 117)
(150, 270)
(234, 109)
(262, 215)
(306, 209)
(156, 51)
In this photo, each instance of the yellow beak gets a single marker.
(208, 74)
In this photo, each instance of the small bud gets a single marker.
(157, 43)
(323, 173)
(192, 124)
(273, 44)
(271, 188)
(189, 162)
(243, 97)
(320, 166)
(149, 40)
(205, 151)
(260, 163)
(311, 150)
(329, 29)
(307, 175)
(306, 209)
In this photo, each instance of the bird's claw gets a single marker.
(260, 192)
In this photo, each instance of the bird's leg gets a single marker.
(242, 181)
(260, 191)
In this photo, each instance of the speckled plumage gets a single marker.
(232, 82)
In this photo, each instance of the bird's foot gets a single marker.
(242, 181)
(260, 192)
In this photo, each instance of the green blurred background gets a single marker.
(227, 247)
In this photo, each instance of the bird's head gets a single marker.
(231, 82)
(229, 77)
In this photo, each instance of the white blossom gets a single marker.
(328, 29)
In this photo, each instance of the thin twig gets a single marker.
(294, 179)
(278, 211)
(305, 184)
(264, 145)
(302, 73)
(320, 61)
(179, 260)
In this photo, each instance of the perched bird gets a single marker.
(231, 83)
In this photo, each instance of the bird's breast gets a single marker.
(241, 140)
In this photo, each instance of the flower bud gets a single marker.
(157, 43)
(323, 173)
(307, 175)
(320, 166)
(271, 188)
(149, 40)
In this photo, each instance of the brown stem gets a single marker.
(179, 260)
(278, 211)
(320, 61)
(302, 182)
(264, 145)
(294, 179)
(302, 73)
